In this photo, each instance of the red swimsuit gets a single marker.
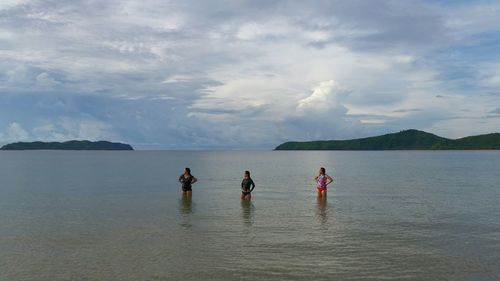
(321, 181)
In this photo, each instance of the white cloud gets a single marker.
(62, 129)
(274, 29)
(471, 19)
(373, 121)
(45, 80)
(463, 127)
(178, 78)
(491, 81)
(5, 34)
(65, 129)
(251, 31)
(15, 132)
(8, 4)
(322, 98)
(404, 59)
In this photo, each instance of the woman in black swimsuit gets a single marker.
(187, 180)
(247, 186)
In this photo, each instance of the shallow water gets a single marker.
(398, 215)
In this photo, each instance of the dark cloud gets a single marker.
(495, 111)
(407, 110)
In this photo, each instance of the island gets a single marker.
(404, 140)
(68, 145)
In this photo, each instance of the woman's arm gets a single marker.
(329, 180)
(194, 180)
(253, 186)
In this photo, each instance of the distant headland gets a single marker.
(404, 140)
(68, 145)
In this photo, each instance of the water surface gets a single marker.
(399, 215)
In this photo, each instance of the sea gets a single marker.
(119, 215)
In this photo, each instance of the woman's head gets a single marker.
(187, 171)
(246, 174)
(322, 171)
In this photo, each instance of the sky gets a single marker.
(219, 74)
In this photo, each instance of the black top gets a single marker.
(186, 181)
(247, 185)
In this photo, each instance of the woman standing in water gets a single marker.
(322, 180)
(247, 186)
(187, 180)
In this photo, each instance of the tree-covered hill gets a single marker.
(404, 140)
(68, 145)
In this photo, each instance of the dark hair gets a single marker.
(322, 171)
(248, 173)
(187, 170)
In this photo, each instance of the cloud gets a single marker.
(45, 80)
(15, 132)
(407, 110)
(463, 127)
(493, 81)
(9, 4)
(244, 73)
(495, 111)
(322, 115)
(321, 99)
(65, 129)
(62, 129)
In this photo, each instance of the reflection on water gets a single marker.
(321, 210)
(186, 208)
(186, 205)
(247, 211)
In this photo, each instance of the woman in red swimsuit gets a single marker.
(322, 180)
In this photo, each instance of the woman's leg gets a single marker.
(321, 193)
(246, 196)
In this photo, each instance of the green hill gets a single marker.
(69, 145)
(404, 140)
